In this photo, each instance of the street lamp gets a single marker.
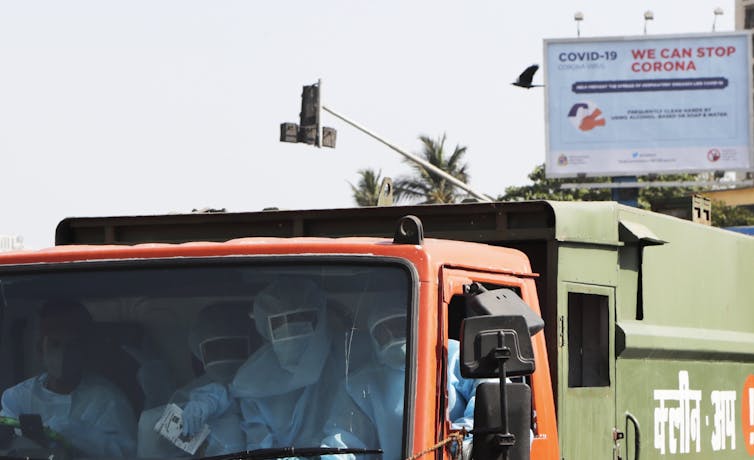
(718, 12)
(648, 16)
(578, 17)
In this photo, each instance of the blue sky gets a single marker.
(147, 107)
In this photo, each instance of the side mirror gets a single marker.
(481, 302)
(491, 343)
(498, 346)
(487, 416)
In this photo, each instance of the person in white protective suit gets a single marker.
(221, 338)
(378, 391)
(87, 409)
(286, 388)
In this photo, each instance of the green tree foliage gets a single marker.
(427, 187)
(730, 216)
(650, 195)
(367, 191)
(543, 188)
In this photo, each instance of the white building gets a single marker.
(744, 20)
(11, 243)
(744, 14)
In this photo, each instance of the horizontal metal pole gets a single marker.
(594, 185)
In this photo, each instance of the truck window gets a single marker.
(201, 358)
(588, 342)
(457, 309)
(461, 392)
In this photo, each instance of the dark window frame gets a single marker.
(588, 340)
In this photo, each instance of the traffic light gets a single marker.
(308, 130)
(288, 132)
(309, 115)
(328, 137)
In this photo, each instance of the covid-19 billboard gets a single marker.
(648, 105)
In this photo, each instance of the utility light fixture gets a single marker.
(578, 17)
(648, 16)
(718, 12)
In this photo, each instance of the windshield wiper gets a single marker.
(281, 452)
(11, 457)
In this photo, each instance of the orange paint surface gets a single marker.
(428, 259)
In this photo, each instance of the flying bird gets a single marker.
(524, 80)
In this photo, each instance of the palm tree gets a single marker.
(429, 187)
(367, 191)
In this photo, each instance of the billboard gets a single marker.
(647, 105)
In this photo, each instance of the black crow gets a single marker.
(524, 80)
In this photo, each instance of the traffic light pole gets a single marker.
(410, 157)
(319, 114)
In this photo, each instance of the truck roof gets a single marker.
(432, 251)
(482, 222)
(579, 222)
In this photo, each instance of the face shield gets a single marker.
(290, 333)
(290, 314)
(221, 338)
(389, 338)
(292, 325)
(222, 356)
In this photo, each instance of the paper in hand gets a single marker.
(170, 426)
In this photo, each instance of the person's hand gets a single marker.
(61, 424)
(195, 415)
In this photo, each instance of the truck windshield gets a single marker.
(197, 359)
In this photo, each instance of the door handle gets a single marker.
(637, 435)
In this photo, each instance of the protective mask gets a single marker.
(223, 355)
(65, 363)
(290, 338)
(223, 371)
(288, 325)
(394, 355)
(289, 352)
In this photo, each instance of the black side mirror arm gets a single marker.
(504, 438)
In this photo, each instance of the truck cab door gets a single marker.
(586, 371)
(451, 310)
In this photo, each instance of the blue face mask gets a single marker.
(289, 352)
(63, 361)
(394, 355)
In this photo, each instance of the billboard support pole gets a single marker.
(626, 196)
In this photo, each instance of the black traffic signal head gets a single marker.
(309, 115)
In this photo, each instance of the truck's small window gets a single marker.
(461, 392)
(457, 309)
(588, 341)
